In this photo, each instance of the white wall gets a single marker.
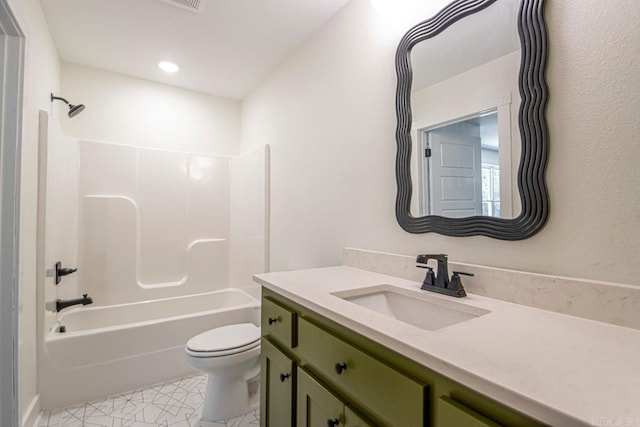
(42, 76)
(127, 110)
(328, 112)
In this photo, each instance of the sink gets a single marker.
(422, 310)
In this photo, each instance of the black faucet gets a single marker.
(62, 304)
(441, 283)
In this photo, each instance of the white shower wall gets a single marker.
(250, 218)
(61, 211)
(153, 223)
(143, 223)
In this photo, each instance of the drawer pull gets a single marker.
(333, 423)
(272, 320)
(341, 367)
(283, 377)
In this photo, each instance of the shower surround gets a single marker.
(154, 224)
(165, 242)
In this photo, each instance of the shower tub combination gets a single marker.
(154, 249)
(106, 350)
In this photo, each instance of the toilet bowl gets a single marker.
(230, 355)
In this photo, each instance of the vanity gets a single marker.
(334, 353)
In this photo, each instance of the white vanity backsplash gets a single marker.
(605, 302)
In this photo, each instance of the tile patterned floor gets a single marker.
(176, 403)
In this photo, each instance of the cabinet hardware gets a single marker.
(272, 320)
(333, 423)
(283, 377)
(341, 367)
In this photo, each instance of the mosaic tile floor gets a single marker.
(176, 403)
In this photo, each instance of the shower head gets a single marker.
(74, 110)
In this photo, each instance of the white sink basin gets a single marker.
(418, 309)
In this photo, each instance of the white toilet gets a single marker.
(231, 356)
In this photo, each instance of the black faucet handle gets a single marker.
(463, 273)
(456, 283)
(429, 280)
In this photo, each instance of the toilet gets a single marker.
(230, 355)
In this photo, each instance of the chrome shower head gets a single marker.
(74, 110)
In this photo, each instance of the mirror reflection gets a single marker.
(464, 103)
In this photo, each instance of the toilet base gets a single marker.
(229, 397)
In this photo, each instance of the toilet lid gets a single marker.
(225, 338)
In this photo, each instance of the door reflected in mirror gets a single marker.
(464, 104)
(459, 168)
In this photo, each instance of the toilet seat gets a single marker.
(224, 341)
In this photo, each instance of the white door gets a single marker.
(455, 173)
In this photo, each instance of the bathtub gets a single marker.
(112, 349)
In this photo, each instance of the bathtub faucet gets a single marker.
(62, 304)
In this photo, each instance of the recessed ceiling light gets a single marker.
(168, 66)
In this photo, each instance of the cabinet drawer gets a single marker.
(455, 414)
(388, 395)
(279, 323)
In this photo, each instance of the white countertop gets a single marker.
(559, 369)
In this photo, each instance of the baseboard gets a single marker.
(31, 415)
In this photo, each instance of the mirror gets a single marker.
(471, 135)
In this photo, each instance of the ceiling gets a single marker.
(227, 49)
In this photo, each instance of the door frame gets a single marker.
(12, 46)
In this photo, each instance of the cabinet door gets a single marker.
(316, 406)
(277, 387)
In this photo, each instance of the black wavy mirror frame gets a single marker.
(532, 124)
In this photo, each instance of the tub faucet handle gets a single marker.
(60, 271)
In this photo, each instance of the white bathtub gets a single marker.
(117, 348)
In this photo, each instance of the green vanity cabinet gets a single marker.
(352, 419)
(394, 398)
(278, 376)
(343, 379)
(454, 414)
(280, 323)
(318, 407)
